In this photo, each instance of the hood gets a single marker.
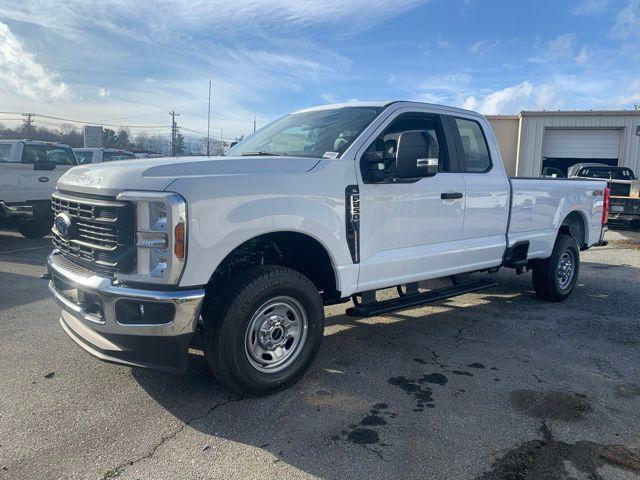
(156, 174)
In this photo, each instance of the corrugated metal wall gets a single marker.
(529, 162)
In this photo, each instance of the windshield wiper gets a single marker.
(263, 153)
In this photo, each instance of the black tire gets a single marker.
(35, 228)
(228, 319)
(548, 283)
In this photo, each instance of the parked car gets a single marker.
(29, 170)
(624, 186)
(97, 155)
(324, 205)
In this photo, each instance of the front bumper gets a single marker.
(123, 324)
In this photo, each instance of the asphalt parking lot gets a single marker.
(491, 385)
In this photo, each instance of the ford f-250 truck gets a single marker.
(323, 205)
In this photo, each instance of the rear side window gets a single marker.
(113, 156)
(474, 146)
(84, 157)
(5, 152)
(47, 153)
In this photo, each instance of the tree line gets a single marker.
(122, 139)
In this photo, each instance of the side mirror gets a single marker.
(44, 165)
(417, 155)
(233, 144)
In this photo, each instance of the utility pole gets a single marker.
(221, 140)
(27, 123)
(209, 122)
(174, 132)
(254, 122)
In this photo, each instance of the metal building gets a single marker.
(531, 141)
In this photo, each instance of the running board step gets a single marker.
(372, 309)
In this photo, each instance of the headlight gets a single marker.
(160, 235)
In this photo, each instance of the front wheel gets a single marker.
(263, 330)
(35, 228)
(554, 278)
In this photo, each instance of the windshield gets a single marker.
(615, 173)
(316, 134)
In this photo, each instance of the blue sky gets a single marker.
(130, 62)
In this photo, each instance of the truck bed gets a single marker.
(540, 205)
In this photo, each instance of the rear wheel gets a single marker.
(263, 330)
(554, 278)
(35, 228)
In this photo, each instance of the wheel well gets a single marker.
(574, 225)
(289, 249)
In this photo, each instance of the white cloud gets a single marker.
(583, 56)
(482, 47)
(559, 48)
(588, 7)
(524, 96)
(137, 20)
(444, 44)
(21, 74)
(150, 80)
(102, 92)
(627, 22)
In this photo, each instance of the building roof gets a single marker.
(578, 113)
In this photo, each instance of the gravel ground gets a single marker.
(491, 385)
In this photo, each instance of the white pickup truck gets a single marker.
(29, 170)
(322, 206)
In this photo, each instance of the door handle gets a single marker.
(43, 179)
(450, 195)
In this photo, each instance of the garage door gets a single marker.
(581, 143)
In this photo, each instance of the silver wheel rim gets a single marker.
(276, 334)
(566, 269)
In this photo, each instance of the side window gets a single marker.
(474, 146)
(5, 152)
(45, 153)
(84, 158)
(378, 161)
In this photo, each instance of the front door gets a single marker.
(409, 230)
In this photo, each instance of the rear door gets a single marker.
(410, 230)
(17, 181)
(487, 193)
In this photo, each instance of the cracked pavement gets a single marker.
(492, 385)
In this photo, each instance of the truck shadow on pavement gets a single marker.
(379, 384)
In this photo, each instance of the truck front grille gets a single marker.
(620, 189)
(101, 233)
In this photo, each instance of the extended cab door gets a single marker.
(409, 229)
(487, 192)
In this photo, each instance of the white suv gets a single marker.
(29, 170)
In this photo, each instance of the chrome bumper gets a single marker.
(17, 210)
(95, 314)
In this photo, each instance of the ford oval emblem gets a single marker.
(62, 224)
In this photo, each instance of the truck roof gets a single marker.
(93, 149)
(36, 142)
(387, 103)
